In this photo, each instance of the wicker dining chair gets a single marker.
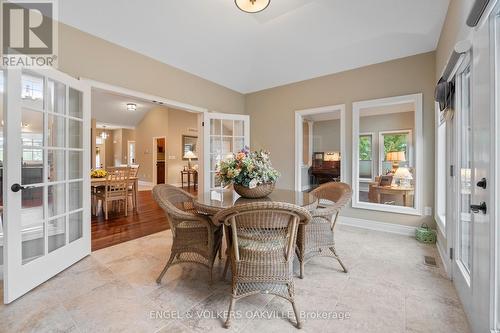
(196, 239)
(317, 238)
(262, 246)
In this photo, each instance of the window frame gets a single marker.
(381, 147)
(372, 143)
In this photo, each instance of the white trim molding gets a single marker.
(392, 228)
(417, 100)
(299, 117)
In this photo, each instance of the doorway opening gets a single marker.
(319, 146)
(159, 161)
(143, 133)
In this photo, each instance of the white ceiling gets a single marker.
(110, 109)
(292, 40)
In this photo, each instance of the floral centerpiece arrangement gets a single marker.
(98, 173)
(251, 173)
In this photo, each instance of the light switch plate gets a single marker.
(428, 211)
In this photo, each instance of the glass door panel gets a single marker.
(51, 158)
(465, 184)
(225, 135)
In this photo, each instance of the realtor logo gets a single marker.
(28, 33)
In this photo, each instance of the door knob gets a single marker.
(480, 207)
(16, 188)
(482, 183)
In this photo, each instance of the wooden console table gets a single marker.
(188, 173)
(376, 191)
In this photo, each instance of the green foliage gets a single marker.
(395, 142)
(365, 148)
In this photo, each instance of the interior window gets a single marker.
(366, 156)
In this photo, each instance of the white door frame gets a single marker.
(128, 151)
(155, 157)
(163, 102)
(20, 278)
(299, 134)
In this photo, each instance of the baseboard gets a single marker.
(145, 183)
(378, 226)
(444, 258)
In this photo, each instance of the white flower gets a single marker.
(253, 183)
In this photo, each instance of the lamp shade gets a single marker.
(252, 6)
(189, 154)
(395, 156)
(403, 173)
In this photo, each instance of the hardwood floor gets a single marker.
(148, 219)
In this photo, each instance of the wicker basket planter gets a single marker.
(261, 191)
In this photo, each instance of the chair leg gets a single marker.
(338, 258)
(294, 306)
(226, 266)
(169, 262)
(227, 324)
(126, 206)
(105, 209)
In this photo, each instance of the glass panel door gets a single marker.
(47, 216)
(465, 177)
(225, 134)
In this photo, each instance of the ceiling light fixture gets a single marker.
(131, 107)
(252, 6)
(104, 134)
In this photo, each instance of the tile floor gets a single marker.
(388, 289)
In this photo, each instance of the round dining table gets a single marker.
(210, 203)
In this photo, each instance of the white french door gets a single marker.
(475, 203)
(46, 179)
(224, 134)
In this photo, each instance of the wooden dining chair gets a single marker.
(115, 191)
(317, 238)
(132, 190)
(263, 236)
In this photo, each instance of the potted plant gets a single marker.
(251, 173)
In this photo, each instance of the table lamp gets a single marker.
(189, 155)
(404, 175)
(332, 156)
(395, 157)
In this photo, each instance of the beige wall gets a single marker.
(127, 135)
(454, 30)
(386, 122)
(107, 153)
(272, 111)
(172, 124)
(326, 136)
(84, 55)
(179, 123)
(154, 124)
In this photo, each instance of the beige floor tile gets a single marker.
(387, 289)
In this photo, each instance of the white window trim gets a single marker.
(417, 100)
(440, 220)
(299, 117)
(368, 180)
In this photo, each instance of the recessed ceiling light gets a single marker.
(131, 107)
(252, 6)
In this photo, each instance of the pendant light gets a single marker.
(252, 6)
